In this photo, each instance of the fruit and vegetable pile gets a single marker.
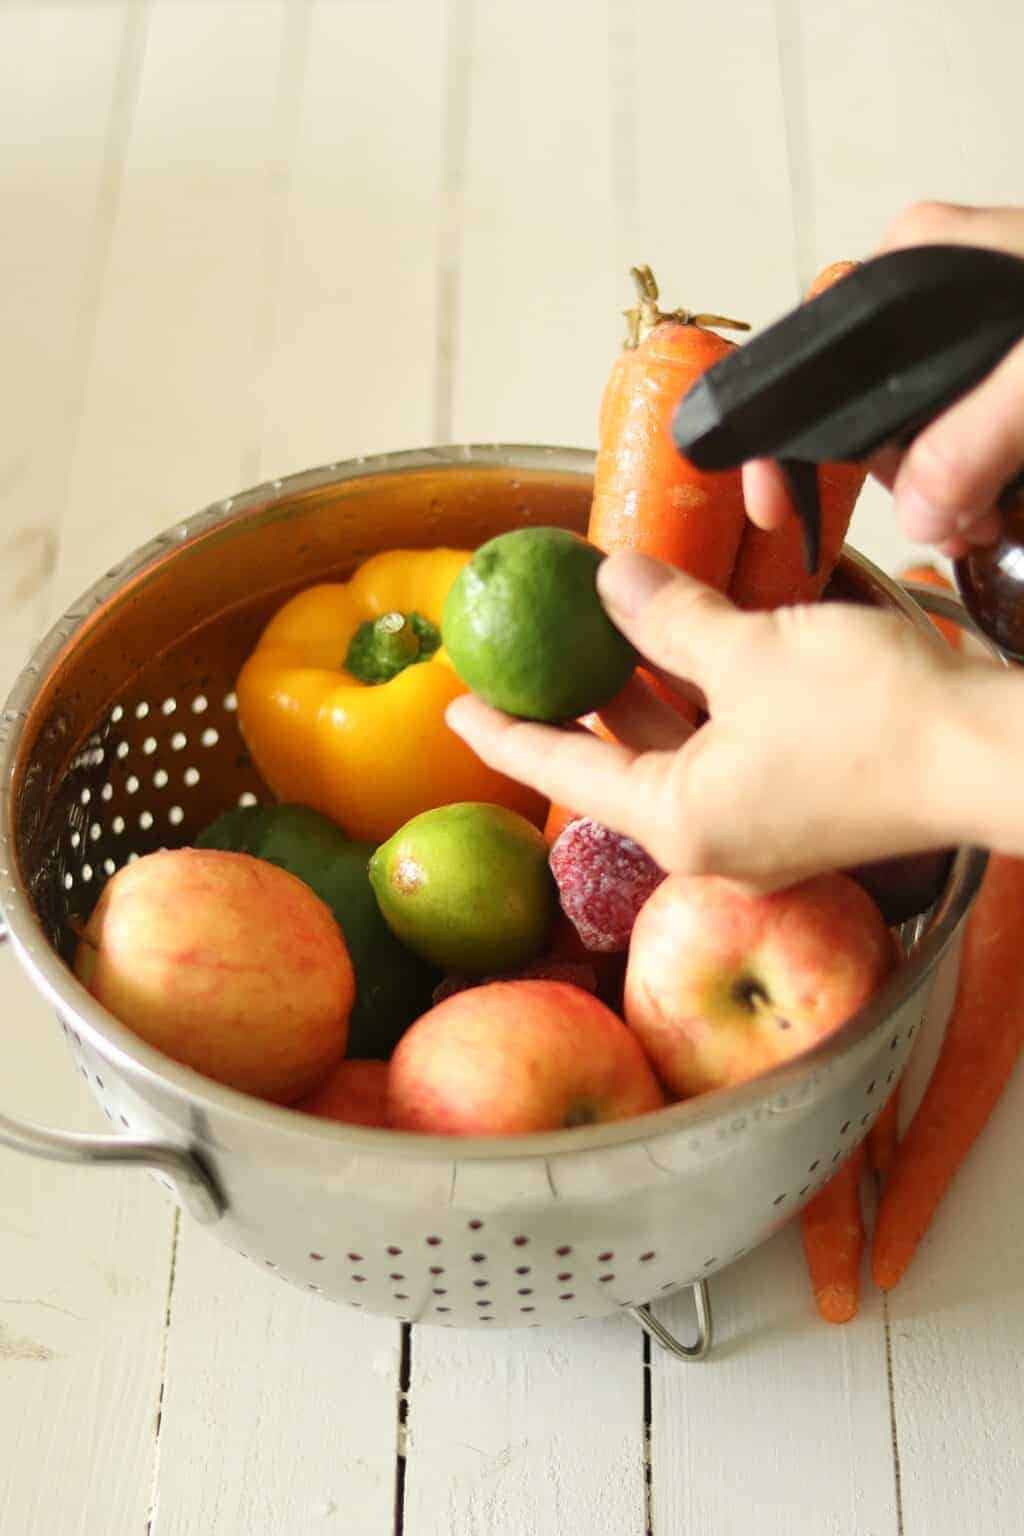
(401, 937)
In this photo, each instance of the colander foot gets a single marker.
(701, 1345)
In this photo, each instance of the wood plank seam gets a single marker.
(402, 1427)
(154, 1494)
(454, 152)
(797, 134)
(893, 1422)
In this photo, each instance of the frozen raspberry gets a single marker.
(603, 880)
(575, 973)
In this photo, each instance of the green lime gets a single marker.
(525, 630)
(393, 986)
(467, 886)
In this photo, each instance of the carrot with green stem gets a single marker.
(647, 496)
(979, 1052)
(832, 1229)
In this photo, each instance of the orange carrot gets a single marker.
(832, 1228)
(982, 1042)
(930, 576)
(769, 570)
(647, 496)
(884, 1135)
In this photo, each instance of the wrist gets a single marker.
(977, 750)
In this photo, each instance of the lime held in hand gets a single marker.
(525, 630)
(467, 886)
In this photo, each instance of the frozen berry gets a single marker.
(603, 880)
(575, 973)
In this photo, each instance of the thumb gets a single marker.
(685, 628)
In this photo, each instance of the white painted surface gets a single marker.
(244, 236)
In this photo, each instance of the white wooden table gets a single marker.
(241, 237)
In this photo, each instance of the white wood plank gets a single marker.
(534, 298)
(895, 104)
(303, 1395)
(903, 103)
(171, 412)
(349, 335)
(786, 1427)
(270, 159)
(536, 1430)
(65, 79)
(83, 1255)
(526, 1431)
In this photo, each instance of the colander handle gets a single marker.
(194, 1184)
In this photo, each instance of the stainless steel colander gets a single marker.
(120, 737)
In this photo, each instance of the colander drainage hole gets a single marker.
(316, 1257)
(778, 1199)
(481, 1285)
(478, 1258)
(604, 1279)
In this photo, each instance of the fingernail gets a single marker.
(920, 519)
(628, 581)
(457, 711)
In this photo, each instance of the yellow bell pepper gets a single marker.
(324, 732)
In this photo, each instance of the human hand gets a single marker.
(826, 744)
(947, 482)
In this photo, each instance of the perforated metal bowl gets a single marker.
(120, 737)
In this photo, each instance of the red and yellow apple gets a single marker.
(356, 1092)
(225, 963)
(518, 1056)
(723, 984)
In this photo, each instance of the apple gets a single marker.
(355, 1092)
(722, 984)
(226, 964)
(518, 1056)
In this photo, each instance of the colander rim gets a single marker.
(142, 1063)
